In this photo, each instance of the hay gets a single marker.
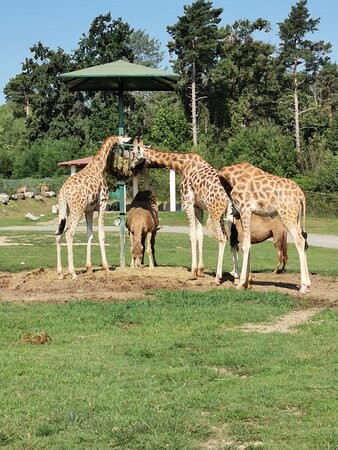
(118, 165)
(36, 338)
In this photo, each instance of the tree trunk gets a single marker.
(193, 105)
(27, 108)
(296, 103)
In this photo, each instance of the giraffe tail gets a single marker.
(304, 234)
(62, 215)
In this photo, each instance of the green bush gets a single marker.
(41, 157)
(265, 146)
(169, 128)
(322, 204)
(326, 174)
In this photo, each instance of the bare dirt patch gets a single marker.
(285, 324)
(43, 285)
(222, 440)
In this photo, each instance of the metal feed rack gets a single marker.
(118, 159)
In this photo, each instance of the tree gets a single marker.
(52, 108)
(169, 127)
(243, 86)
(107, 40)
(296, 51)
(195, 42)
(146, 50)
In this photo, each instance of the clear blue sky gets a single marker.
(61, 23)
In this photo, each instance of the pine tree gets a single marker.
(297, 51)
(195, 42)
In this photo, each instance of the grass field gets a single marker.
(37, 249)
(171, 372)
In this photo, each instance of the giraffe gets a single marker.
(256, 191)
(85, 192)
(200, 189)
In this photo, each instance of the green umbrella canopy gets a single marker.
(120, 76)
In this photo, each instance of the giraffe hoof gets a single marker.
(304, 289)
(89, 269)
(200, 272)
(74, 276)
(60, 276)
(194, 275)
(236, 281)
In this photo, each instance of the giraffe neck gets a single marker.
(100, 159)
(179, 162)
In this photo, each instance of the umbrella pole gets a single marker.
(122, 188)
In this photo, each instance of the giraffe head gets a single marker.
(137, 253)
(138, 158)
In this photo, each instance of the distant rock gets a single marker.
(50, 194)
(4, 198)
(29, 194)
(14, 197)
(40, 198)
(31, 217)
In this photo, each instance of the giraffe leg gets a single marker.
(58, 256)
(152, 243)
(246, 246)
(100, 223)
(235, 272)
(149, 251)
(189, 209)
(72, 224)
(89, 221)
(233, 245)
(199, 236)
(299, 241)
(217, 229)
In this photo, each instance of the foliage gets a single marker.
(243, 85)
(326, 174)
(264, 146)
(41, 157)
(169, 128)
(296, 50)
(239, 87)
(195, 42)
(146, 49)
(12, 139)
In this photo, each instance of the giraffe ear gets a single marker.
(124, 139)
